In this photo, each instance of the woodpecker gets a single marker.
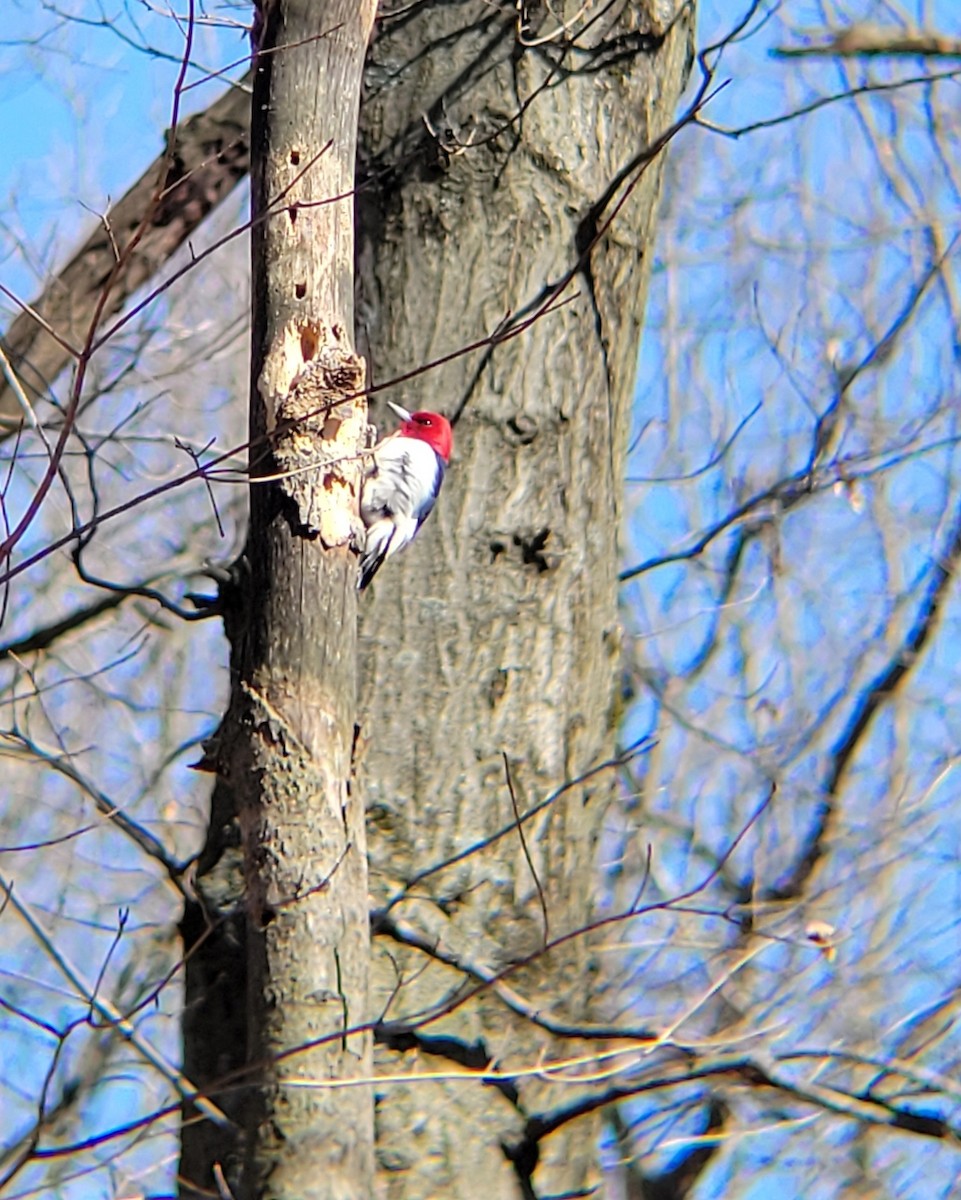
(404, 476)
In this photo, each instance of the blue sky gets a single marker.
(83, 110)
(782, 256)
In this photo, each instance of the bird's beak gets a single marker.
(401, 412)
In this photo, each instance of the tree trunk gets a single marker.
(285, 750)
(497, 635)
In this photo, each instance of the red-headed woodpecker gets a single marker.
(404, 476)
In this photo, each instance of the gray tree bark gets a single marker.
(485, 145)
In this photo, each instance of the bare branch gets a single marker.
(209, 157)
(872, 41)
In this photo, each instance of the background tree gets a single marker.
(773, 870)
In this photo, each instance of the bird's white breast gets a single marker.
(404, 481)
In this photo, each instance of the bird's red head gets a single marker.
(429, 427)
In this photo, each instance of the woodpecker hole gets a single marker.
(523, 427)
(300, 290)
(309, 342)
(532, 547)
(292, 215)
(295, 158)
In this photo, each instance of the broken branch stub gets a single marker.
(312, 385)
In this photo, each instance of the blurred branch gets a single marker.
(473, 1055)
(680, 1179)
(874, 40)
(105, 806)
(819, 474)
(737, 1069)
(111, 1014)
(210, 156)
(384, 926)
(47, 635)
(53, 1116)
(872, 697)
(820, 102)
(145, 592)
(625, 756)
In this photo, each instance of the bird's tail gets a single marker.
(379, 538)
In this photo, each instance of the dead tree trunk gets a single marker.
(486, 143)
(285, 749)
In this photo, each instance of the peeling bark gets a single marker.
(311, 382)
